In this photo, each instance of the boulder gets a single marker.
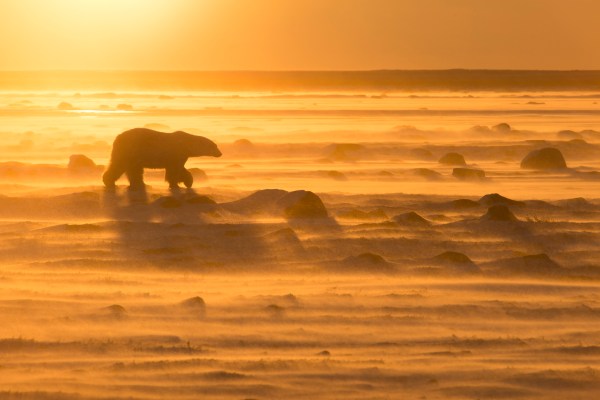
(194, 304)
(499, 213)
(243, 147)
(124, 107)
(421, 154)
(452, 159)
(502, 127)
(468, 174)
(462, 204)
(65, 106)
(199, 199)
(547, 158)
(78, 163)
(453, 257)
(569, 135)
(494, 199)
(426, 173)
(301, 204)
(285, 239)
(534, 265)
(456, 262)
(275, 311)
(336, 175)
(346, 152)
(260, 202)
(577, 203)
(115, 311)
(363, 215)
(411, 219)
(198, 174)
(368, 262)
(168, 202)
(296, 205)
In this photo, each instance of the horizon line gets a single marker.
(300, 70)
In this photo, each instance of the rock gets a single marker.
(462, 204)
(199, 199)
(194, 304)
(590, 134)
(411, 219)
(275, 311)
(284, 238)
(301, 204)
(260, 202)
(347, 152)
(499, 213)
(468, 174)
(363, 215)
(494, 199)
(243, 147)
(536, 265)
(578, 203)
(198, 174)
(296, 205)
(289, 300)
(114, 311)
(547, 158)
(578, 143)
(65, 106)
(426, 173)
(367, 258)
(422, 154)
(452, 159)
(168, 202)
(569, 135)
(243, 144)
(78, 163)
(479, 129)
(337, 176)
(458, 262)
(453, 257)
(502, 127)
(368, 262)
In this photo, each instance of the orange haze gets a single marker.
(298, 34)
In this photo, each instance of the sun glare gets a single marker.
(87, 34)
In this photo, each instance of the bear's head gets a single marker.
(197, 146)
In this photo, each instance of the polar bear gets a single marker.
(140, 148)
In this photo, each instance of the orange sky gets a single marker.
(298, 34)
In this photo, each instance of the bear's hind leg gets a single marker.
(136, 178)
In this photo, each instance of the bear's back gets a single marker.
(141, 134)
(152, 148)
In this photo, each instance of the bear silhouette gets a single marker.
(140, 148)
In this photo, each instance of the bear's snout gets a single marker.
(217, 153)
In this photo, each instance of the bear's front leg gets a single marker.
(172, 176)
(187, 178)
(136, 178)
(111, 175)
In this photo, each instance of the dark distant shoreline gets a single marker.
(381, 80)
